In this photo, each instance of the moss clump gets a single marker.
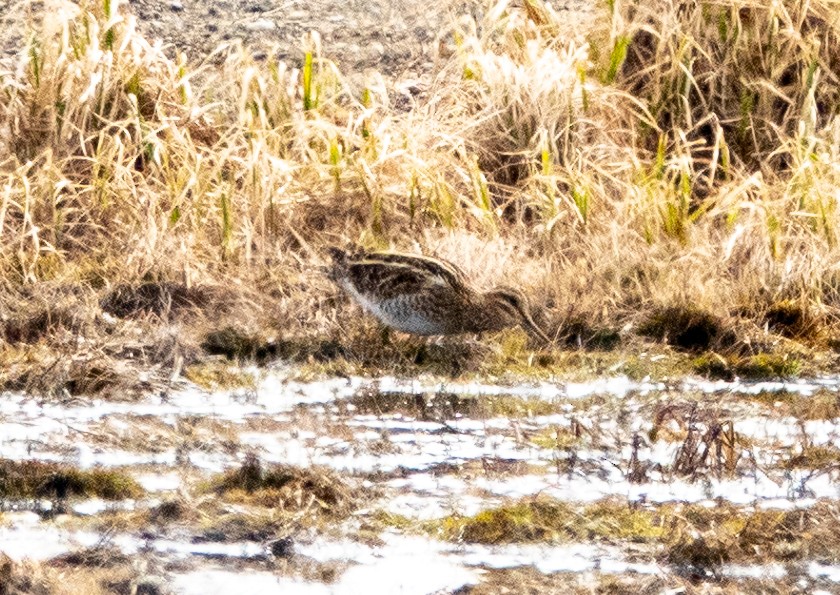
(687, 327)
(524, 521)
(695, 539)
(755, 367)
(713, 365)
(220, 375)
(516, 358)
(387, 519)
(767, 365)
(35, 479)
(638, 362)
(288, 487)
(518, 407)
(544, 519)
(557, 438)
(613, 518)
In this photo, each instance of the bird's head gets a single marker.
(511, 308)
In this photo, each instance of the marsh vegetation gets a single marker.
(661, 182)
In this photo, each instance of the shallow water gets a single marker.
(427, 449)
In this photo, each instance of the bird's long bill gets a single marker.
(530, 326)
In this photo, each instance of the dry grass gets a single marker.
(69, 577)
(821, 405)
(546, 520)
(683, 159)
(313, 492)
(694, 539)
(38, 480)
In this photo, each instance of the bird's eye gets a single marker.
(512, 299)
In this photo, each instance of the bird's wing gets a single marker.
(438, 271)
(389, 279)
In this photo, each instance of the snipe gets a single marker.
(427, 296)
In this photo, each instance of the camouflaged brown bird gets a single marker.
(427, 296)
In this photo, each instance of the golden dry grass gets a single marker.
(695, 539)
(79, 577)
(40, 480)
(680, 157)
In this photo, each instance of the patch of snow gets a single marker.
(97, 505)
(41, 542)
(410, 565)
(425, 507)
(224, 582)
(159, 482)
(827, 571)
(754, 571)
(236, 549)
(798, 489)
(414, 572)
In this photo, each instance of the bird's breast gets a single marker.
(408, 314)
(405, 315)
